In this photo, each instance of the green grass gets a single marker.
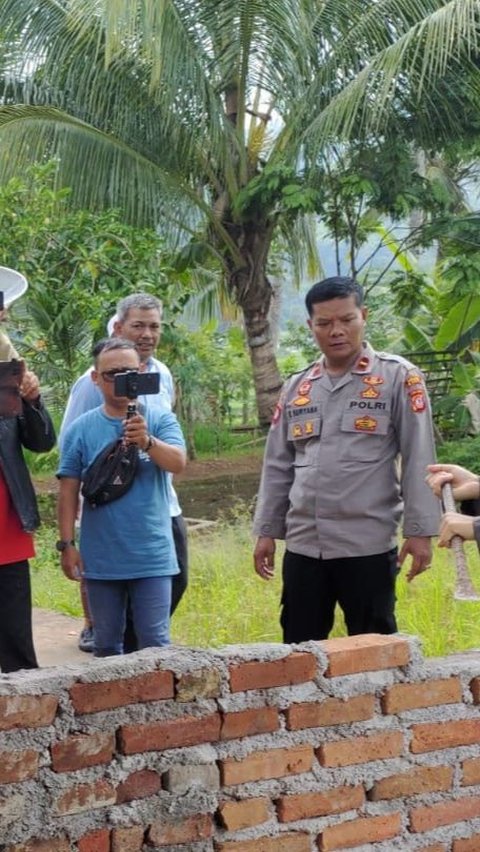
(226, 603)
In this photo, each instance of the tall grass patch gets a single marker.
(227, 603)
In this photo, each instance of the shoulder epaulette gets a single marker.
(390, 356)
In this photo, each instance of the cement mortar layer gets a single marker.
(28, 806)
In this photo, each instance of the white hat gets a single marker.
(111, 322)
(13, 285)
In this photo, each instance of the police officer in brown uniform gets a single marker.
(331, 483)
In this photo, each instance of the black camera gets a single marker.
(133, 384)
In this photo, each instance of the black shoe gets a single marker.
(85, 640)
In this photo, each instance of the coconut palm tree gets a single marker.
(210, 117)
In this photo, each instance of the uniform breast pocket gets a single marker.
(304, 428)
(363, 435)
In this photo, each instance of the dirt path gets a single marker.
(198, 471)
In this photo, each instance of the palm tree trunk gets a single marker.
(250, 287)
(266, 376)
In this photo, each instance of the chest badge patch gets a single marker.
(417, 402)
(297, 430)
(301, 400)
(304, 388)
(373, 380)
(370, 393)
(308, 427)
(365, 424)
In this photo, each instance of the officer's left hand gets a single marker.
(420, 549)
(135, 431)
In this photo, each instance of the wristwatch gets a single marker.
(62, 545)
(150, 444)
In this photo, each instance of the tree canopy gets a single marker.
(213, 119)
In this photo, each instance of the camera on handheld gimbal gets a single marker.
(133, 384)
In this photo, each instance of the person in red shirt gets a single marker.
(31, 428)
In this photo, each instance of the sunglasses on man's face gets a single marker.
(109, 375)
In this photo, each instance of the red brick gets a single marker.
(475, 688)
(293, 842)
(191, 830)
(84, 797)
(128, 839)
(157, 736)
(262, 765)
(438, 735)
(139, 785)
(422, 779)
(409, 696)
(467, 844)
(322, 803)
(241, 814)
(471, 771)
(296, 668)
(244, 723)
(359, 831)
(27, 711)
(444, 813)
(82, 750)
(331, 711)
(361, 749)
(95, 841)
(18, 765)
(365, 653)
(53, 844)
(108, 694)
(434, 847)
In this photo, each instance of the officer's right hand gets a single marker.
(264, 557)
(465, 485)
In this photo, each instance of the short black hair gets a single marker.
(338, 287)
(109, 343)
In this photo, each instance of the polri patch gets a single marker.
(417, 401)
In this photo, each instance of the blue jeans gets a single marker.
(150, 604)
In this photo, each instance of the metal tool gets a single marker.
(464, 589)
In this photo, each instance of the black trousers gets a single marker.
(179, 581)
(364, 586)
(16, 638)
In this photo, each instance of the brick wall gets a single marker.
(355, 743)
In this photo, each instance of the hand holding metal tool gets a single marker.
(464, 589)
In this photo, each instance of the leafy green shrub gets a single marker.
(465, 452)
(212, 438)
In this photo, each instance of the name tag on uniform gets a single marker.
(307, 411)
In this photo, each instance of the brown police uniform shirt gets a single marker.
(332, 485)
